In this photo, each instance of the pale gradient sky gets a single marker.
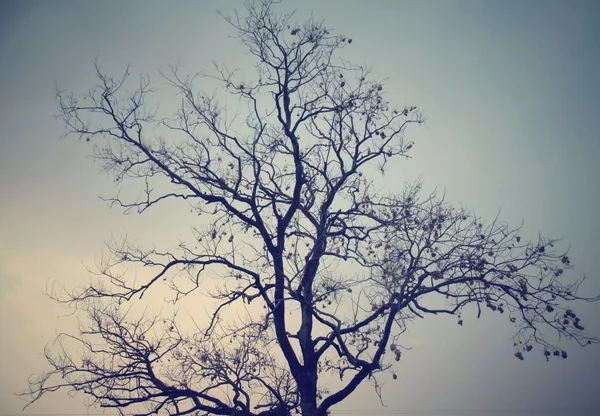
(511, 93)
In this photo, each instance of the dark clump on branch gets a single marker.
(326, 271)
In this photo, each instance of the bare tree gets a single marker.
(327, 271)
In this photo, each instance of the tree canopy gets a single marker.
(319, 271)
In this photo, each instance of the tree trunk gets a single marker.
(308, 391)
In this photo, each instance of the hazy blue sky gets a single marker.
(511, 93)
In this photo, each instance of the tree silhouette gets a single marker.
(318, 271)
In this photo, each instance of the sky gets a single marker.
(510, 92)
